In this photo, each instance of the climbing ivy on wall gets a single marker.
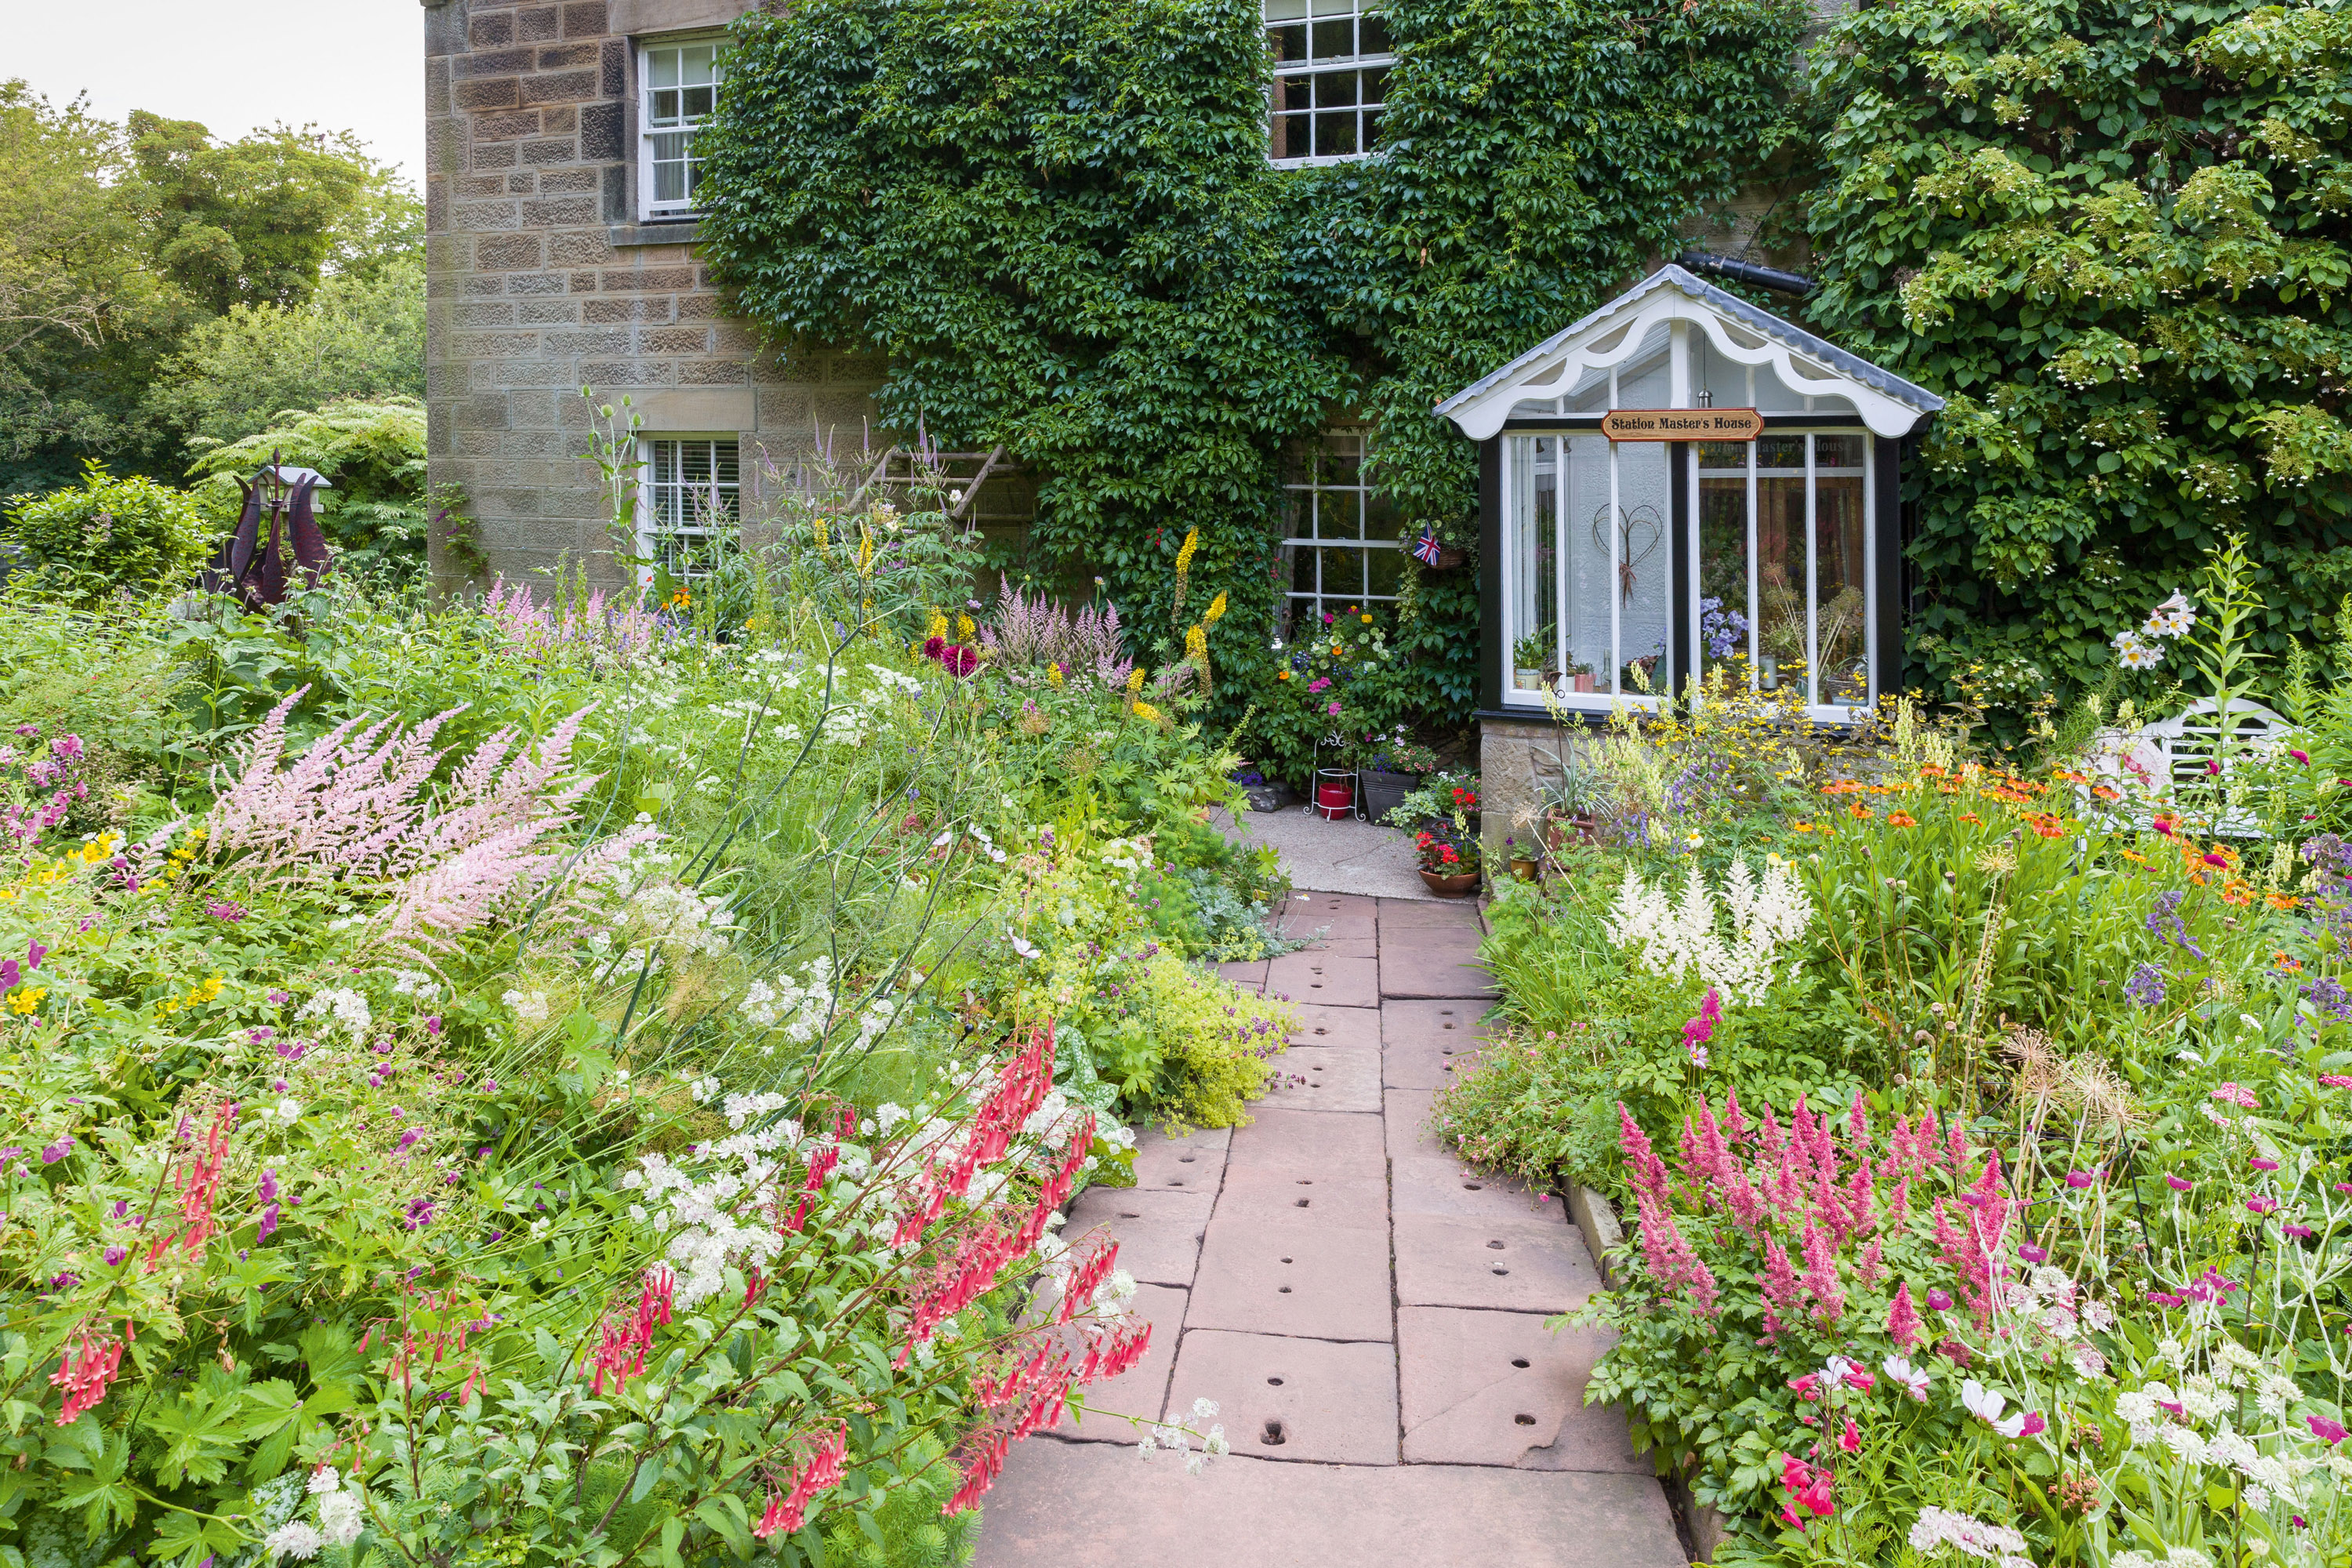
(2113, 232)
(1056, 220)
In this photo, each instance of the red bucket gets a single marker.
(1335, 797)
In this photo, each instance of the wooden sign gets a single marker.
(1681, 425)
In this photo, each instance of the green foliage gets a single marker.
(358, 336)
(1059, 222)
(372, 452)
(2114, 237)
(111, 532)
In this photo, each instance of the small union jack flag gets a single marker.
(1425, 549)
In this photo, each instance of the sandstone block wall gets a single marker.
(540, 281)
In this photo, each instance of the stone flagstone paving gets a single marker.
(1368, 1316)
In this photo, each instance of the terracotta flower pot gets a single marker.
(1454, 885)
(1560, 832)
(1525, 870)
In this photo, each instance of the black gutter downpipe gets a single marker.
(1746, 272)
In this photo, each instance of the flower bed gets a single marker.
(563, 1080)
(1984, 1150)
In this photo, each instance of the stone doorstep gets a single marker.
(1291, 1399)
(1500, 1388)
(1326, 979)
(1195, 1163)
(1058, 1500)
(1327, 1078)
(1337, 1026)
(1428, 914)
(1519, 1265)
(1159, 1233)
(1142, 1389)
(1311, 1283)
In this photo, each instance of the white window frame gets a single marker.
(1619, 693)
(653, 129)
(1312, 12)
(1318, 600)
(666, 507)
(1514, 696)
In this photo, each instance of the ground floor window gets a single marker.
(1779, 534)
(691, 486)
(1340, 543)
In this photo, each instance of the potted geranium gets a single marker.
(1392, 765)
(1449, 858)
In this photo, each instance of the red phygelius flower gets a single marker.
(88, 1365)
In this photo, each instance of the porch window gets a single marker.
(1331, 60)
(688, 501)
(1587, 570)
(677, 87)
(1784, 558)
(1340, 544)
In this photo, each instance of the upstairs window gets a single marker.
(1331, 60)
(677, 88)
(689, 500)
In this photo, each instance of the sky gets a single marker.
(341, 65)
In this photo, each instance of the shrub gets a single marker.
(111, 534)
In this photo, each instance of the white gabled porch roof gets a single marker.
(1623, 331)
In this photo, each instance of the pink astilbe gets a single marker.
(1821, 1278)
(1032, 631)
(588, 626)
(1778, 1285)
(1646, 1172)
(1903, 1322)
(1670, 1260)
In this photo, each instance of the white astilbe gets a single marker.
(1739, 955)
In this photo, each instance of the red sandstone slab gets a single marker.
(1193, 1164)
(1518, 1265)
(1250, 976)
(1333, 914)
(1426, 1177)
(1159, 1233)
(1327, 1078)
(1142, 1389)
(1281, 1141)
(1440, 961)
(1413, 915)
(1424, 1043)
(1319, 1282)
(1280, 1398)
(1337, 1026)
(1499, 1388)
(1292, 1201)
(1324, 978)
(1059, 1502)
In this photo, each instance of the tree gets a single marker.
(2115, 236)
(358, 336)
(248, 222)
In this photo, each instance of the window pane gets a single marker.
(1723, 567)
(1781, 581)
(1335, 89)
(697, 101)
(1839, 451)
(1289, 42)
(1645, 498)
(690, 503)
(1843, 586)
(1343, 579)
(1342, 515)
(698, 63)
(1382, 567)
(661, 68)
(1380, 520)
(1372, 127)
(1372, 35)
(1335, 134)
(1334, 40)
(1532, 619)
(1722, 455)
(1339, 460)
(1781, 452)
(1294, 92)
(1376, 84)
(1302, 570)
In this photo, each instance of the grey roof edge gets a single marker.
(1788, 333)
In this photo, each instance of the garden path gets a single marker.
(1368, 1316)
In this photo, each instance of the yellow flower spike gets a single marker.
(1147, 712)
(1135, 681)
(819, 524)
(865, 552)
(1217, 609)
(1196, 642)
(939, 625)
(964, 628)
(1184, 556)
(1053, 674)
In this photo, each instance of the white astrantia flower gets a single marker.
(1204, 1408)
(325, 1479)
(348, 1007)
(528, 1006)
(2233, 1364)
(296, 1540)
(1938, 1527)
(2273, 1393)
(288, 1111)
(340, 1518)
